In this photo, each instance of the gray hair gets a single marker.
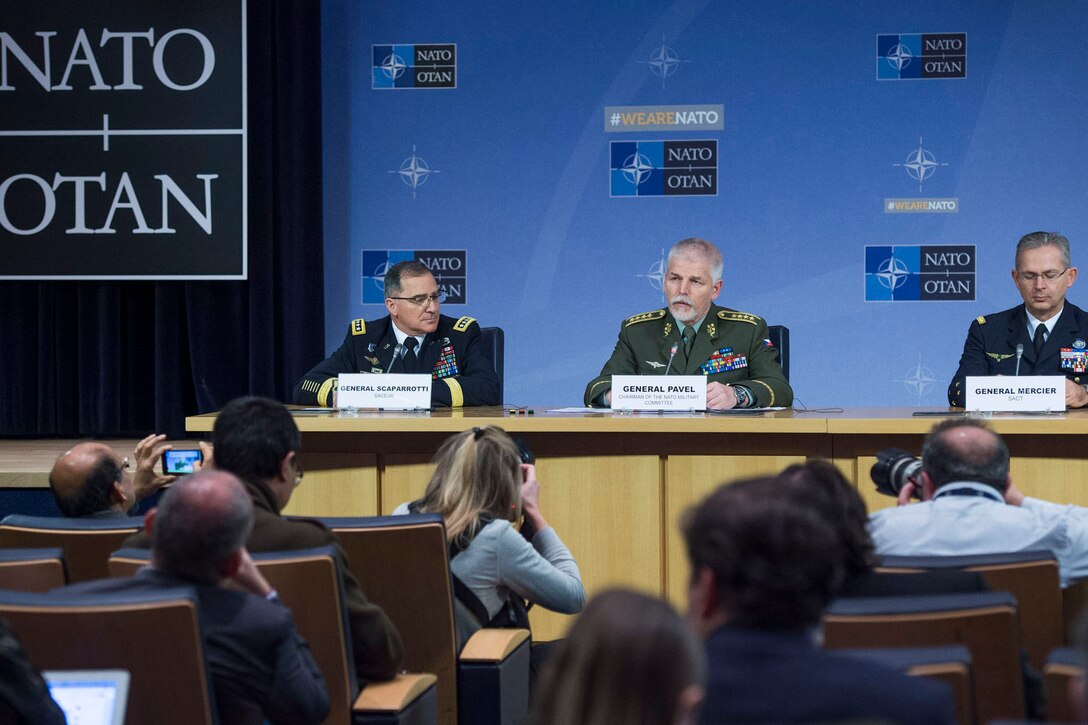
(696, 247)
(1043, 239)
(400, 271)
(201, 521)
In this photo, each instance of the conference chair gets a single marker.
(156, 637)
(493, 341)
(32, 570)
(779, 335)
(985, 622)
(402, 564)
(1063, 665)
(1032, 577)
(950, 664)
(87, 543)
(309, 584)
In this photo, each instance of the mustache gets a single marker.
(681, 298)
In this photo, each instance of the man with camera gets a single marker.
(969, 504)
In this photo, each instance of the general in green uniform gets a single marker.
(731, 348)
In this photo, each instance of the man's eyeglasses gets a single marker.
(299, 473)
(1048, 276)
(420, 300)
(124, 466)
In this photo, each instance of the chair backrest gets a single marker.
(87, 543)
(156, 637)
(1033, 577)
(985, 622)
(32, 570)
(309, 584)
(950, 664)
(402, 565)
(779, 336)
(494, 342)
(1062, 666)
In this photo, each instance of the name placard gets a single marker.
(658, 392)
(1001, 393)
(397, 391)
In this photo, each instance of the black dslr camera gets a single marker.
(895, 468)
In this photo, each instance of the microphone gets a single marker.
(1019, 354)
(398, 351)
(672, 354)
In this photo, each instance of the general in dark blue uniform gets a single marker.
(1052, 332)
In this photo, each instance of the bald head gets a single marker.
(965, 449)
(200, 523)
(83, 480)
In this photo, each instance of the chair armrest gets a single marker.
(492, 645)
(394, 695)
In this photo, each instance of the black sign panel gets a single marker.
(123, 140)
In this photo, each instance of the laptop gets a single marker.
(90, 697)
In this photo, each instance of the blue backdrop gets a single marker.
(513, 166)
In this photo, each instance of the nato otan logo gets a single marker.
(447, 265)
(919, 273)
(921, 56)
(414, 66)
(663, 168)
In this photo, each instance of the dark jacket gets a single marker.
(757, 676)
(461, 368)
(376, 645)
(257, 659)
(990, 348)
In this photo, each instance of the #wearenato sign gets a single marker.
(1001, 393)
(658, 392)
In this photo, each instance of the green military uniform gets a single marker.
(731, 348)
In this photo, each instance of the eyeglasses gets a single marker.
(420, 300)
(299, 473)
(1048, 276)
(122, 468)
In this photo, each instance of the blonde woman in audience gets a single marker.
(629, 658)
(483, 489)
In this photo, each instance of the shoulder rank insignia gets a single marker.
(999, 356)
(644, 317)
(462, 324)
(739, 317)
(981, 319)
(358, 327)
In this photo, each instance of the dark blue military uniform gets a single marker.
(460, 367)
(991, 348)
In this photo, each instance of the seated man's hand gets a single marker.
(247, 577)
(608, 397)
(1075, 394)
(208, 451)
(720, 397)
(145, 480)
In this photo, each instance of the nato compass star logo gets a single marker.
(893, 273)
(414, 171)
(656, 274)
(921, 164)
(918, 380)
(664, 62)
(393, 66)
(637, 168)
(899, 57)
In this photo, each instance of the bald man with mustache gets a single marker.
(731, 348)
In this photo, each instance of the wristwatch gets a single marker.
(744, 396)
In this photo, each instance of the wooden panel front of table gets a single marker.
(614, 485)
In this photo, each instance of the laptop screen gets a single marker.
(90, 697)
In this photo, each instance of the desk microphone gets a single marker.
(672, 354)
(398, 351)
(1019, 354)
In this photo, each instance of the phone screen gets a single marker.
(181, 462)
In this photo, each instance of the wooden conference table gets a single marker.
(614, 485)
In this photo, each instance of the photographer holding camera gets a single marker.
(969, 504)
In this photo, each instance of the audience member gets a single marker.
(821, 486)
(260, 666)
(970, 506)
(257, 440)
(763, 568)
(24, 696)
(629, 658)
(92, 481)
(482, 489)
